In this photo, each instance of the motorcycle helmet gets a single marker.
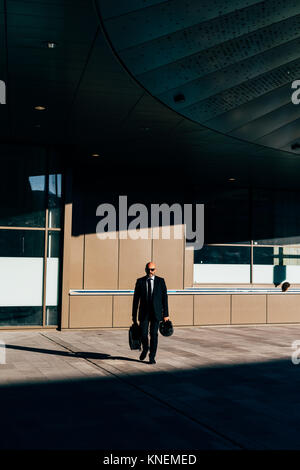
(166, 328)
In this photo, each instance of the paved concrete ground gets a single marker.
(212, 388)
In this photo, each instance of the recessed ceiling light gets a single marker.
(50, 44)
(95, 155)
(40, 108)
(231, 179)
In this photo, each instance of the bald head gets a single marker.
(150, 268)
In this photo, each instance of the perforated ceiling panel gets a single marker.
(226, 64)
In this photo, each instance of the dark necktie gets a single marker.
(149, 292)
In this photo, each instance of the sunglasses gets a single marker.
(151, 269)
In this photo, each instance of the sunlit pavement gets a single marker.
(212, 388)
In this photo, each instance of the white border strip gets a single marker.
(189, 291)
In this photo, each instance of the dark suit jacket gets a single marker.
(159, 299)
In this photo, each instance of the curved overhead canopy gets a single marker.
(228, 65)
(92, 105)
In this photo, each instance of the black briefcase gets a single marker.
(135, 336)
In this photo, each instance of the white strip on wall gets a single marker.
(221, 273)
(240, 273)
(293, 274)
(52, 282)
(21, 282)
(264, 274)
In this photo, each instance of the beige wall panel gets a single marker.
(100, 263)
(211, 309)
(181, 309)
(133, 256)
(248, 309)
(168, 256)
(90, 311)
(283, 308)
(76, 262)
(122, 309)
(189, 267)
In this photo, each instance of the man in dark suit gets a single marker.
(150, 295)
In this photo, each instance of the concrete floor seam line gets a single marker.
(74, 352)
(159, 400)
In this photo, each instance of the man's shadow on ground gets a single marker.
(78, 354)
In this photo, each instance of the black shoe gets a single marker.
(143, 355)
(152, 361)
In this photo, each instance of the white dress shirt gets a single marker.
(152, 283)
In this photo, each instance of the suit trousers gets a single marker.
(154, 324)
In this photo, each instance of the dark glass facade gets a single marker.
(30, 236)
(255, 231)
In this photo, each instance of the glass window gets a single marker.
(31, 182)
(54, 239)
(54, 201)
(23, 188)
(52, 315)
(223, 255)
(276, 217)
(236, 216)
(276, 264)
(264, 256)
(222, 264)
(226, 216)
(22, 243)
(21, 276)
(24, 316)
